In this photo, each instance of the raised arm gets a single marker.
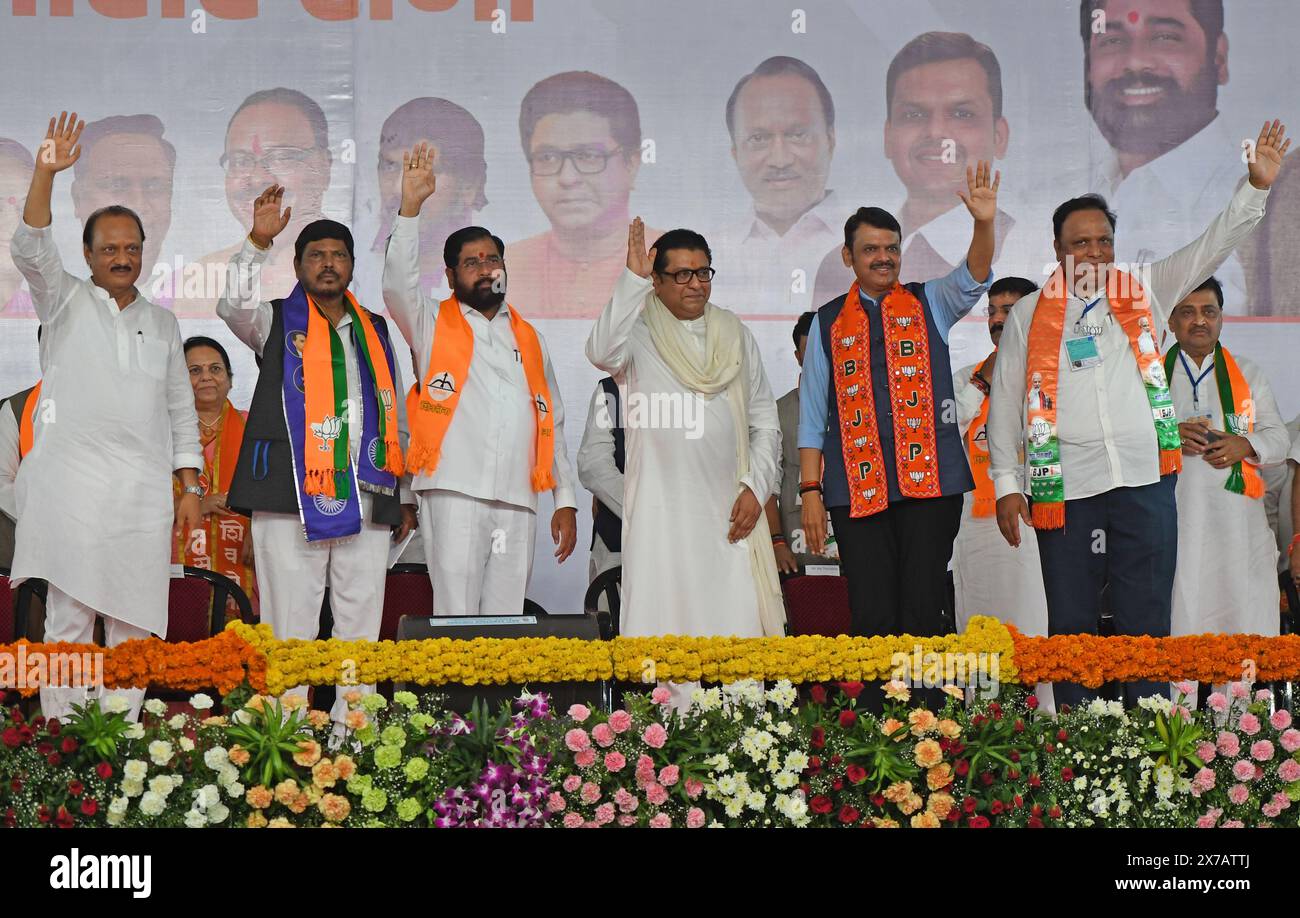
(241, 306)
(607, 343)
(1177, 275)
(981, 199)
(32, 246)
(401, 283)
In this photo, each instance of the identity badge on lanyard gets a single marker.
(1197, 413)
(1081, 349)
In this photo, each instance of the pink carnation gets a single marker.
(625, 801)
(620, 721)
(1205, 751)
(572, 783)
(1261, 751)
(1233, 824)
(1209, 819)
(555, 802)
(694, 818)
(1249, 724)
(1281, 719)
(1289, 770)
(586, 758)
(694, 788)
(668, 775)
(1290, 740)
(1203, 781)
(1228, 743)
(605, 814)
(1271, 810)
(1243, 770)
(655, 793)
(577, 740)
(661, 821)
(572, 821)
(627, 821)
(1264, 695)
(1185, 688)
(1282, 800)
(661, 695)
(1238, 793)
(603, 735)
(655, 736)
(579, 712)
(614, 761)
(1218, 702)
(1240, 690)
(590, 793)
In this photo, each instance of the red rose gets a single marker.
(69, 745)
(969, 804)
(43, 813)
(958, 747)
(25, 733)
(1032, 702)
(75, 788)
(54, 758)
(954, 814)
(987, 778)
(878, 800)
(806, 788)
(848, 719)
(16, 785)
(978, 822)
(995, 708)
(64, 819)
(1054, 812)
(961, 767)
(38, 721)
(852, 689)
(818, 737)
(1061, 735)
(835, 760)
(820, 804)
(849, 814)
(1036, 810)
(1018, 800)
(104, 770)
(1018, 726)
(818, 693)
(996, 808)
(89, 807)
(838, 784)
(11, 737)
(978, 720)
(1034, 823)
(1013, 755)
(856, 774)
(1049, 747)
(1013, 773)
(1035, 781)
(1067, 773)
(11, 818)
(53, 728)
(44, 748)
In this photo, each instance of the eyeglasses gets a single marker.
(587, 160)
(274, 160)
(684, 276)
(473, 264)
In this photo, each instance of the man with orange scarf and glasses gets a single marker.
(1081, 385)
(320, 466)
(876, 405)
(478, 467)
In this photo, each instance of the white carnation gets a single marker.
(216, 757)
(200, 702)
(135, 770)
(156, 706)
(160, 752)
(152, 804)
(195, 820)
(116, 704)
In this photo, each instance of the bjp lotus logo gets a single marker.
(327, 431)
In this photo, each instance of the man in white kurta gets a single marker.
(693, 528)
(478, 508)
(599, 473)
(94, 496)
(1226, 578)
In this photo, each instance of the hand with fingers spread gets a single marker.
(61, 147)
(1270, 147)
(418, 179)
(981, 194)
(639, 261)
(268, 220)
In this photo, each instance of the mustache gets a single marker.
(881, 264)
(997, 327)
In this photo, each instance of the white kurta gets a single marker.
(990, 577)
(94, 496)
(1226, 580)
(680, 574)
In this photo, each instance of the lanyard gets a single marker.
(1187, 368)
(1087, 309)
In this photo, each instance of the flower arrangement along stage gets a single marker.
(250, 654)
(745, 755)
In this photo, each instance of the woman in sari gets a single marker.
(226, 543)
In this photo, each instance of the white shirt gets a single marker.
(596, 468)
(1104, 423)
(491, 443)
(756, 265)
(249, 318)
(94, 496)
(1162, 205)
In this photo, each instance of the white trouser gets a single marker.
(292, 574)
(72, 621)
(479, 553)
(602, 559)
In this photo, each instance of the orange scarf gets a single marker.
(907, 363)
(1129, 304)
(977, 451)
(431, 407)
(325, 389)
(27, 427)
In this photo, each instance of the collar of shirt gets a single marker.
(1199, 365)
(1170, 171)
(821, 217)
(466, 311)
(948, 234)
(111, 304)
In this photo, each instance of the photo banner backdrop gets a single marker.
(556, 121)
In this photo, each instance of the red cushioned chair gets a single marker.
(817, 605)
(1285, 692)
(196, 611)
(406, 592)
(9, 631)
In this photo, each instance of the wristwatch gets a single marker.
(196, 490)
